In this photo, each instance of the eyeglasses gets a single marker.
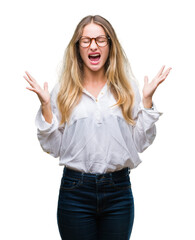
(101, 41)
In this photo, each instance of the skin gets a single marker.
(43, 95)
(150, 88)
(93, 30)
(94, 75)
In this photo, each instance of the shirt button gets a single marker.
(96, 100)
(102, 93)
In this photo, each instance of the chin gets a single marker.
(94, 68)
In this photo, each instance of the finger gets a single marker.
(160, 81)
(30, 77)
(164, 76)
(160, 72)
(146, 80)
(166, 73)
(31, 89)
(29, 81)
(46, 86)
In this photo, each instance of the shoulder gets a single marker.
(55, 89)
(54, 93)
(135, 85)
(136, 89)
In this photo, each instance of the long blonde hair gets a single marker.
(118, 72)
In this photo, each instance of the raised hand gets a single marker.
(43, 94)
(150, 88)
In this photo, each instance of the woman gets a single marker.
(96, 123)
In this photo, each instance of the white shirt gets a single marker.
(98, 139)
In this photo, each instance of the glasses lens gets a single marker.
(84, 42)
(102, 41)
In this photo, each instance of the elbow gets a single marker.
(142, 148)
(55, 155)
(143, 142)
(50, 151)
(144, 137)
(51, 143)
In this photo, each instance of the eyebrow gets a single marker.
(95, 37)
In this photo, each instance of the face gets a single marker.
(94, 57)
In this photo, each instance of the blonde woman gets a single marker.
(96, 123)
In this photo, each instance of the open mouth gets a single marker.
(94, 57)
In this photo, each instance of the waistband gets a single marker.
(79, 175)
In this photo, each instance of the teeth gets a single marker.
(94, 55)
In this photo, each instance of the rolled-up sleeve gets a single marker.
(144, 130)
(50, 134)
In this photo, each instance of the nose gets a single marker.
(93, 44)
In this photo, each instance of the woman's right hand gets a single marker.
(43, 94)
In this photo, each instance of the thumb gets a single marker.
(146, 80)
(46, 86)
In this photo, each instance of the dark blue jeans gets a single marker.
(95, 206)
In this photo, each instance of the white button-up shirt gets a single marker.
(98, 139)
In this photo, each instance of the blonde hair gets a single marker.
(118, 73)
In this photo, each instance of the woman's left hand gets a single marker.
(150, 88)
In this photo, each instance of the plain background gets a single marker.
(34, 35)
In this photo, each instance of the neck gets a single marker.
(94, 78)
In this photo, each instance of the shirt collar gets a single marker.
(103, 90)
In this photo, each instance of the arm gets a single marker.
(43, 95)
(144, 131)
(50, 134)
(47, 120)
(150, 88)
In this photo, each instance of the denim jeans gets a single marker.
(95, 206)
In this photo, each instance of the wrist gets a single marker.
(147, 102)
(47, 112)
(46, 105)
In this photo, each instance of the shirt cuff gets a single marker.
(152, 110)
(44, 126)
(149, 116)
